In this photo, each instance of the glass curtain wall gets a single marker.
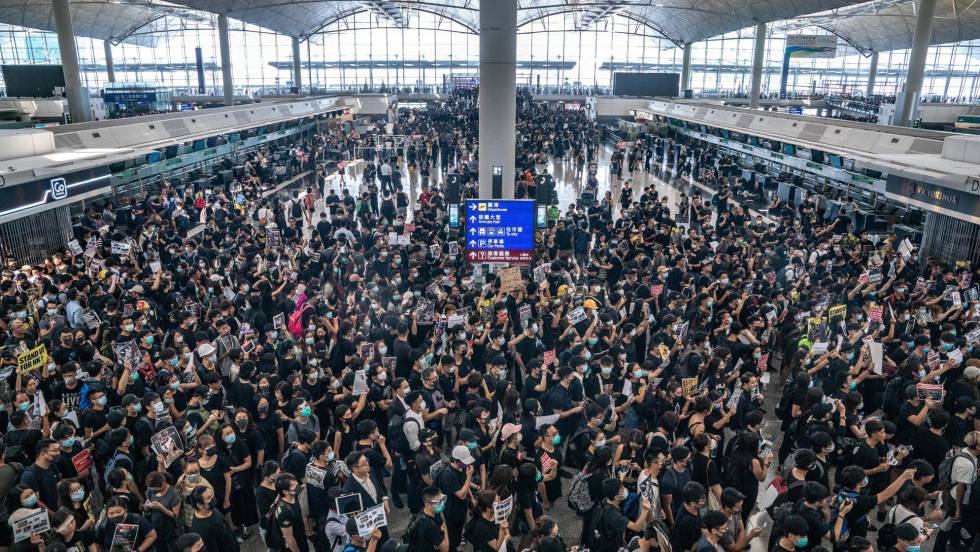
(556, 52)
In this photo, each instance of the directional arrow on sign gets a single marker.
(472, 231)
(472, 243)
(472, 218)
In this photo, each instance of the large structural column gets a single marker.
(686, 68)
(757, 60)
(872, 75)
(225, 47)
(917, 63)
(297, 67)
(199, 61)
(79, 105)
(498, 97)
(109, 69)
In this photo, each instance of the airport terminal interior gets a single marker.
(489, 275)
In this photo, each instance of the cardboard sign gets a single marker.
(550, 358)
(689, 386)
(29, 522)
(31, 360)
(510, 279)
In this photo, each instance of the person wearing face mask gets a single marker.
(430, 533)
(162, 508)
(115, 515)
(209, 524)
(42, 476)
(236, 453)
(64, 434)
(855, 505)
(609, 526)
(215, 469)
(794, 537)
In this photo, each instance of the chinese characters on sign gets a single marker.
(500, 231)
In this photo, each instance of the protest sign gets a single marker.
(550, 358)
(510, 278)
(874, 313)
(689, 386)
(837, 313)
(124, 537)
(74, 247)
(369, 520)
(168, 443)
(120, 248)
(315, 476)
(279, 321)
(82, 462)
(425, 313)
(576, 315)
(26, 522)
(33, 359)
(360, 383)
(502, 509)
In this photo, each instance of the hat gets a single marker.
(205, 349)
(971, 372)
(462, 454)
(590, 304)
(136, 289)
(130, 399)
(662, 268)
(510, 429)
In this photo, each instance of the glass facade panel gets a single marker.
(365, 50)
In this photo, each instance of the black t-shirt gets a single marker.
(290, 516)
(687, 529)
(480, 533)
(612, 525)
(428, 534)
(449, 481)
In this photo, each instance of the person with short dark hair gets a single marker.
(688, 525)
(210, 524)
(609, 525)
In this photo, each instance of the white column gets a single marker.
(297, 67)
(79, 105)
(872, 75)
(498, 94)
(917, 62)
(686, 68)
(757, 60)
(225, 51)
(108, 61)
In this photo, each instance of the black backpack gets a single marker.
(396, 433)
(886, 533)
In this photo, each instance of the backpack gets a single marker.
(893, 397)
(886, 533)
(579, 498)
(295, 324)
(396, 433)
(410, 535)
(600, 541)
(945, 475)
(575, 455)
(322, 543)
(297, 209)
(782, 496)
(111, 465)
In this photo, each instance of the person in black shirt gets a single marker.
(688, 525)
(609, 524)
(287, 517)
(482, 532)
(211, 525)
(428, 532)
(795, 535)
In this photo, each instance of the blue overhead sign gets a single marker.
(500, 230)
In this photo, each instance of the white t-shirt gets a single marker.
(964, 471)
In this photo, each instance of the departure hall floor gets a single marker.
(569, 187)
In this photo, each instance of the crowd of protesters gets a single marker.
(322, 364)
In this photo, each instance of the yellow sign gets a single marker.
(31, 360)
(689, 386)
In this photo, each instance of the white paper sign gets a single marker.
(360, 382)
(576, 315)
(75, 247)
(369, 520)
(120, 248)
(502, 509)
(29, 522)
(877, 355)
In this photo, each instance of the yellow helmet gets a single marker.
(590, 304)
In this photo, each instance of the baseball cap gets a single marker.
(462, 454)
(205, 349)
(510, 429)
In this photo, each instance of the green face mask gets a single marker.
(538, 476)
(555, 440)
(471, 446)
(305, 411)
(802, 542)
(441, 507)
